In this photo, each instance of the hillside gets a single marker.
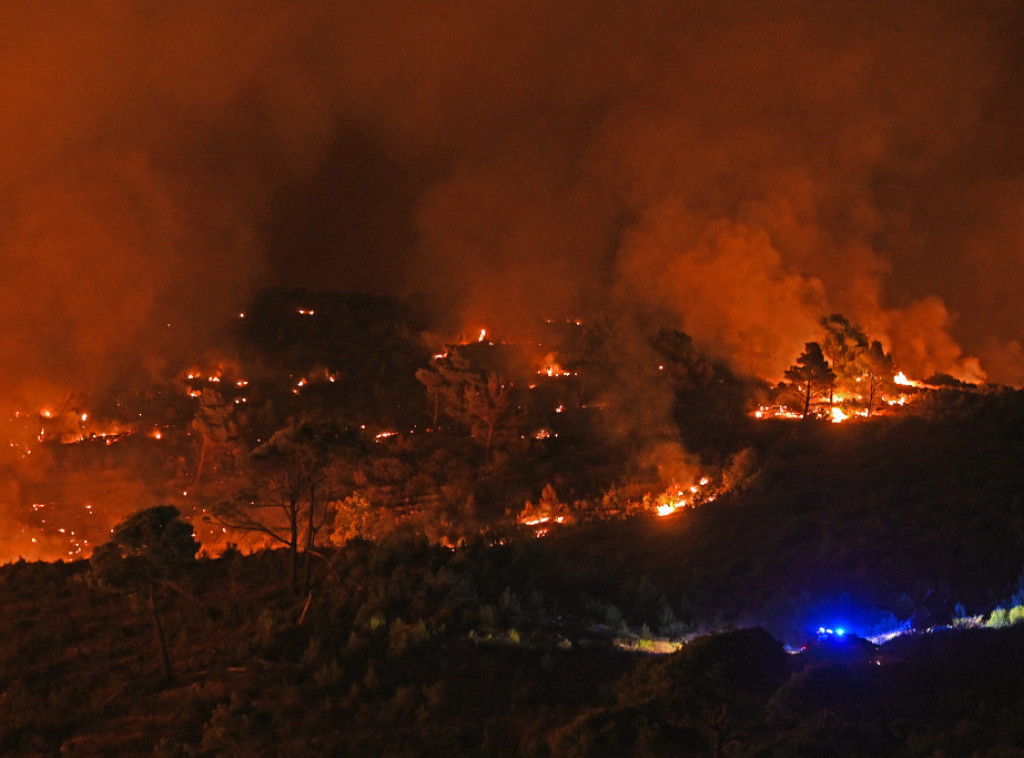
(417, 650)
(588, 545)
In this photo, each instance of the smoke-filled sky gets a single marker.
(741, 167)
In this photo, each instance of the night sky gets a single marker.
(737, 168)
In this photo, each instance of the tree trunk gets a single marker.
(293, 572)
(807, 400)
(310, 539)
(202, 459)
(165, 657)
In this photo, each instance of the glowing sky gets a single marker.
(741, 168)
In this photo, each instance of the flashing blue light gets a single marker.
(825, 633)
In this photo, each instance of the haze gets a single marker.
(740, 168)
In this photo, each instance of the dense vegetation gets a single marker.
(406, 648)
(407, 613)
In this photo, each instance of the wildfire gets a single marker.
(839, 407)
(774, 411)
(677, 497)
(546, 513)
(902, 379)
(553, 369)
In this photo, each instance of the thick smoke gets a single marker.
(738, 169)
(744, 167)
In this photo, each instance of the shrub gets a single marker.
(999, 618)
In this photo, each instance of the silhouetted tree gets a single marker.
(213, 422)
(150, 548)
(295, 472)
(811, 375)
(445, 382)
(478, 400)
(878, 371)
(843, 345)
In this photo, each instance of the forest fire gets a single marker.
(902, 380)
(845, 376)
(501, 397)
(678, 497)
(552, 368)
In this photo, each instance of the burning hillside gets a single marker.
(845, 377)
(623, 420)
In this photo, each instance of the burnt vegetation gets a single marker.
(378, 592)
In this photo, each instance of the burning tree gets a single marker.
(148, 549)
(811, 376)
(844, 346)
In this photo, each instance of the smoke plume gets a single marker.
(744, 168)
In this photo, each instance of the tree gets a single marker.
(151, 548)
(478, 400)
(488, 405)
(844, 346)
(213, 422)
(445, 382)
(811, 375)
(879, 370)
(295, 472)
(687, 368)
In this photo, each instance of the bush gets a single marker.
(999, 618)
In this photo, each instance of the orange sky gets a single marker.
(741, 167)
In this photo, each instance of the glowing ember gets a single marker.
(483, 335)
(551, 367)
(775, 411)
